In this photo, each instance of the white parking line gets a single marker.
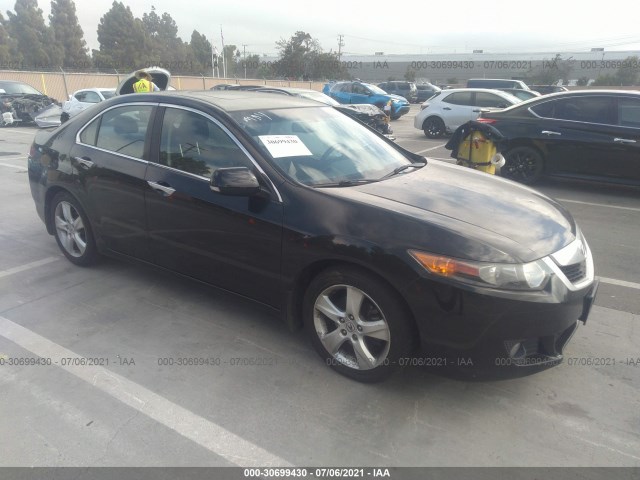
(621, 283)
(21, 131)
(209, 435)
(429, 149)
(27, 266)
(634, 209)
(20, 167)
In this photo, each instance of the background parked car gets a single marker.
(407, 90)
(448, 109)
(426, 91)
(365, 112)
(546, 89)
(83, 99)
(496, 83)
(359, 92)
(22, 103)
(591, 134)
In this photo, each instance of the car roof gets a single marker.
(228, 100)
(488, 90)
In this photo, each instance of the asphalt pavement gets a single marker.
(112, 397)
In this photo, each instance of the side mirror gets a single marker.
(237, 181)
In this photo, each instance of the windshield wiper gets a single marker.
(346, 183)
(402, 168)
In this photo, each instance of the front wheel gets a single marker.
(434, 127)
(357, 324)
(72, 230)
(523, 164)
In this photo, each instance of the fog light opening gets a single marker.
(517, 351)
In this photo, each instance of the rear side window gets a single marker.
(460, 98)
(484, 99)
(121, 130)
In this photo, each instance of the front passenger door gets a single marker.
(230, 241)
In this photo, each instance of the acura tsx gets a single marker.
(376, 251)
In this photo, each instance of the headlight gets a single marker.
(507, 276)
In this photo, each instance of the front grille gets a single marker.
(575, 272)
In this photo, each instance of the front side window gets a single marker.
(121, 130)
(194, 144)
(589, 109)
(629, 112)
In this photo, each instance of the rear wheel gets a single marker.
(523, 164)
(434, 127)
(72, 230)
(357, 324)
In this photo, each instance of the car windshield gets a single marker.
(107, 94)
(19, 88)
(512, 97)
(320, 97)
(320, 146)
(375, 89)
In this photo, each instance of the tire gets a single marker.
(523, 164)
(434, 127)
(357, 324)
(72, 230)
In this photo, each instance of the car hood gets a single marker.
(398, 98)
(496, 219)
(161, 78)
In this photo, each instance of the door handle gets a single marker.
(446, 108)
(477, 110)
(164, 190)
(83, 162)
(623, 140)
(549, 132)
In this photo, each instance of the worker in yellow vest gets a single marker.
(145, 83)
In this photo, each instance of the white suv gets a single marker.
(448, 109)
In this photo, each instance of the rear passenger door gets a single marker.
(230, 241)
(110, 161)
(457, 108)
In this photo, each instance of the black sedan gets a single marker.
(375, 250)
(591, 134)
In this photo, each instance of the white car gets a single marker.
(448, 109)
(83, 99)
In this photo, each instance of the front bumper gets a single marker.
(399, 110)
(498, 328)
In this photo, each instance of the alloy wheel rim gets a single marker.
(351, 327)
(70, 229)
(523, 166)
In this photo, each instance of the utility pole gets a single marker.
(340, 45)
(244, 56)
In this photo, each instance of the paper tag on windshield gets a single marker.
(284, 145)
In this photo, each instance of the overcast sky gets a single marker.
(403, 27)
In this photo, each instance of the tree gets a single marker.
(410, 74)
(200, 51)
(8, 54)
(626, 75)
(583, 81)
(163, 46)
(549, 72)
(302, 57)
(122, 40)
(67, 34)
(32, 38)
